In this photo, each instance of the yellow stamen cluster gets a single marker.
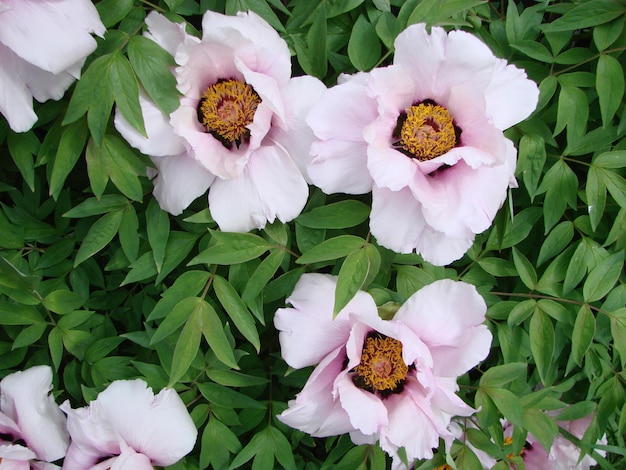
(227, 108)
(444, 467)
(382, 366)
(428, 131)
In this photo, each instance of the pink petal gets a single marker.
(390, 168)
(131, 460)
(179, 182)
(157, 426)
(160, 140)
(393, 99)
(16, 100)
(308, 332)
(51, 35)
(296, 137)
(366, 411)
(340, 167)
(19, 455)
(315, 410)
(165, 33)
(10, 464)
(510, 97)
(270, 187)
(266, 87)
(24, 398)
(448, 317)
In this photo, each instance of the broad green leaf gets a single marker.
(123, 167)
(466, 458)
(56, 253)
(271, 442)
(606, 34)
(216, 431)
(442, 11)
(29, 335)
(55, 345)
(188, 284)
(609, 85)
(343, 214)
(576, 411)
(603, 277)
(534, 50)
(333, 248)
(113, 11)
(187, 346)
(577, 266)
(596, 196)
(616, 186)
(62, 301)
(125, 88)
(99, 236)
(141, 269)
(587, 14)
(213, 331)
(357, 270)
(388, 27)
(262, 275)
(521, 312)
(508, 404)
(152, 65)
(317, 38)
(556, 241)
(178, 315)
(232, 248)
(230, 378)
(363, 47)
(225, 397)
(532, 157)
(498, 267)
(572, 112)
(541, 426)
(525, 269)
(129, 233)
(96, 169)
(542, 343)
(613, 160)
(520, 227)
(497, 376)
(158, 225)
(582, 336)
(179, 245)
(70, 149)
(237, 310)
(560, 184)
(18, 314)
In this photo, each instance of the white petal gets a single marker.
(340, 167)
(160, 140)
(389, 168)
(165, 33)
(131, 460)
(16, 100)
(157, 426)
(308, 332)
(15, 452)
(24, 398)
(51, 35)
(179, 182)
(367, 412)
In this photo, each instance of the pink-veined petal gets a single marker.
(24, 397)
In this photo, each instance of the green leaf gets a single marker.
(582, 336)
(158, 225)
(466, 459)
(230, 378)
(129, 233)
(358, 269)
(188, 284)
(232, 248)
(94, 206)
(542, 426)
(577, 266)
(69, 151)
(317, 38)
(270, 441)
(508, 404)
(560, 184)
(237, 310)
(187, 346)
(262, 275)
(501, 375)
(572, 112)
(99, 236)
(216, 431)
(525, 269)
(610, 86)
(333, 248)
(433, 13)
(542, 343)
(363, 47)
(55, 345)
(96, 169)
(62, 301)
(29, 335)
(603, 277)
(534, 50)
(22, 148)
(498, 266)
(587, 14)
(113, 11)
(178, 315)
(618, 331)
(606, 34)
(613, 160)
(596, 196)
(343, 214)
(532, 157)
(556, 241)
(126, 91)
(152, 65)
(224, 397)
(18, 314)
(213, 331)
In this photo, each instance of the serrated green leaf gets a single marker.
(99, 236)
(237, 310)
(583, 333)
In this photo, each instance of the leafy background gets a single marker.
(98, 282)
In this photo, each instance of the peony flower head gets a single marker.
(127, 427)
(239, 129)
(43, 45)
(32, 427)
(425, 136)
(392, 381)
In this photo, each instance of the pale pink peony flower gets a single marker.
(32, 427)
(239, 129)
(129, 428)
(388, 380)
(563, 455)
(43, 45)
(425, 136)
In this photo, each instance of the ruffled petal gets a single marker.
(448, 317)
(165, 33)
(131, 460)
(179, 182)
(340, 167)
(157, 426)
(308, 332)
(390, 168)
(9, 464)
(16, 453)
(315, 410)
(51, 35)
(366, 411)
(270, 187)
(160, 139)
(24, 398)
(16, 100)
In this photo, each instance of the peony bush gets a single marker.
(304, 234)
